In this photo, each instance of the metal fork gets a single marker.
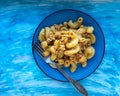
(77, 85)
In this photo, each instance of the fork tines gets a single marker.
(38, 48)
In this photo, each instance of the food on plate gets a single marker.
(68, 44)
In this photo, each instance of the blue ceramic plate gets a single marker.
(92, 64)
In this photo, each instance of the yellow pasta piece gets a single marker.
(67, 63)
(81, 26)
(53, 57)
(46, 53)
(81, 30)
(63, 29)
(64, 40)
(82, 59)
(56, 43)
(73, 67)
(73, 25)
(65, 24)
(72, 34)
(93, 38)
(90, 29)
(84, 64)
(41, 36)
(53, 29)
(47, 31)
(73, 43)
(44, 44)
(80, 20)
(60, 62)
(52, 49)
(57, 27)
(57, 34)
(89, 52)
(82, 39)
(72, 51)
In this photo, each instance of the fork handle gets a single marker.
(76, 84)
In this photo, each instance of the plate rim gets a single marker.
(61, 11)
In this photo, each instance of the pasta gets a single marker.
(93, 38)
(73, 67)
(75, 24)
(89, 52)
(90, 29)
(53, 56)
(67, 63)
(44, 45)
(73, 43)
(46, 53)
(41, 36)
(68, 44)
(72, 51)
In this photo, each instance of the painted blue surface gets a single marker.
(19, 74)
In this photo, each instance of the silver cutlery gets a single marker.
(77, 85)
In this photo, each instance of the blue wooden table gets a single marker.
(19, 74)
